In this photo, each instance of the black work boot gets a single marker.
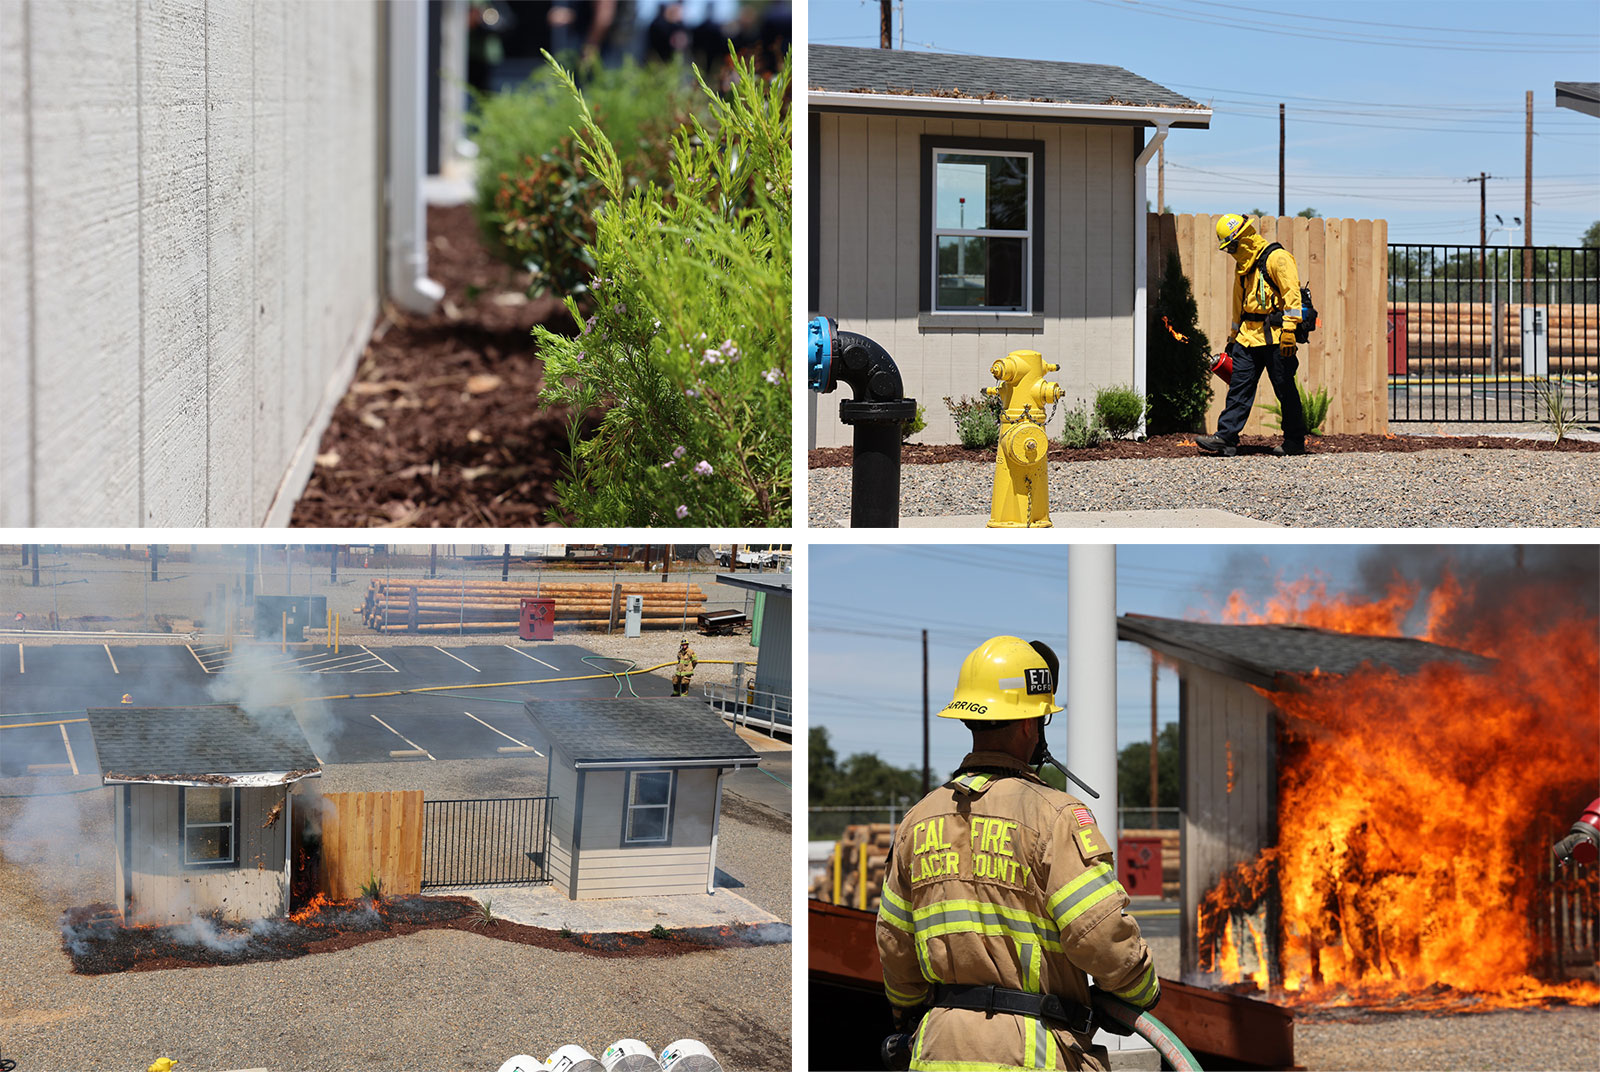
(1216, 445)
(1288, 449)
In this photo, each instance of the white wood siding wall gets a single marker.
(870, 266)
(164, 892)
(189, 244)
(607, 869)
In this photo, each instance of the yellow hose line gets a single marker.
(496, 684)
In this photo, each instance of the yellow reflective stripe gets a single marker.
(973, 783)
(1138, 992)
(965, 917)
(1094, 875)
(965, 1066)
(1078, 908)
(895, 910)
(902, 997)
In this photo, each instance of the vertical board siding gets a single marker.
(871, 260)
(607, 868)
(165, 892)
(189, 197)
(371, 834)
(1345, 263)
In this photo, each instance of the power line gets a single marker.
(1269, 14)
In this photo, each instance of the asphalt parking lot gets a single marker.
(45, 690)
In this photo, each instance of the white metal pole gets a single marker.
(1092, 677)
(407, 252)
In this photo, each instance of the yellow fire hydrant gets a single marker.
(1021, 485)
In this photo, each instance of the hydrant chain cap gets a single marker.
(1003, 678)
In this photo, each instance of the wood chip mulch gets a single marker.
(442, 425)
(1180, 445)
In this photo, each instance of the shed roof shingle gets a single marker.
(838, 69)
(1272, 655)
(629, 730)
(160, 743)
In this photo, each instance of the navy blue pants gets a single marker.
(1249, 362)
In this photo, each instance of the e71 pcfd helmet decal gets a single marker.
(1040, 681)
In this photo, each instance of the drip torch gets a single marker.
(877, 412)
(1582, 843)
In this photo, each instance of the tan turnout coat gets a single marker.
(999, 878)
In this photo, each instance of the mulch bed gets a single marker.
(1179, 445)
(442, 425)
(97, 943)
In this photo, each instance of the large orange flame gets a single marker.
(1415, 810)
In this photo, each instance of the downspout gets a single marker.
(716, 825)
(1140, 268)
(288, 847)
(407, 238)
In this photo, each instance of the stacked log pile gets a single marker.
(444, 606)
(863, 847)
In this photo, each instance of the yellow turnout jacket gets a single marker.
(996, 877)
(1251, 294)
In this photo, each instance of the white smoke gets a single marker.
(257, 682)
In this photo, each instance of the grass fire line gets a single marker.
(1411, 865)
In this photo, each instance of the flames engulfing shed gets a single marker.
(1413, 809)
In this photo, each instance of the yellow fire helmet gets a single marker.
(1230, 227)
(1005, 678)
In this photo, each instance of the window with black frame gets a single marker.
(982, 230)
(649, 813)
(210, 826)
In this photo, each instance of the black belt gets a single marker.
(1274, 319)
(991, 999)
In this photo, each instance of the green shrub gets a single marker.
(915, 424)
(1080, 429)
(977, 420)
(1313, 404)
(1179, 370)
(536, 196)
(1558, 415)
(658, 931)
(1118, 410)
(678, 385)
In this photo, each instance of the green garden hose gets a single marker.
(621, 675)
(1174, 1054)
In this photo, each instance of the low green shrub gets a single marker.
(915, 424)
(977, 420)
(1080, 429)
(1119, 410)
(1314, 404)
(678, 384)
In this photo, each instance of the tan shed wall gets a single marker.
(870, 267)
(607, 869)
(189, 199)
(564, 787)
(164, 892)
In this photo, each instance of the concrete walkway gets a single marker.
(548, 907)
(1103, 519)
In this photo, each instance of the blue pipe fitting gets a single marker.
(819, 354)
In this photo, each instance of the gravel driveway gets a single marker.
(1427, 489)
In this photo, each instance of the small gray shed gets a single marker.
(638, 788)
(1228, 731)
(203, 808)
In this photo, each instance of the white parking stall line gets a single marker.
(67, 741)
(114, 670)
(341, 664)
(378, 657)
(22, 663)
(525, 655)
(463, 662)
(507, 736)
(415, 746)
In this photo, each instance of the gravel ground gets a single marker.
(1431, 489)
(1539, 1038)
(436, 999)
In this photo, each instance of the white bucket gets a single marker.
(629, 1055)
(573, 1059)
(687, 1055)
(523, 1063)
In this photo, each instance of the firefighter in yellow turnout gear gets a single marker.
(1266, 311)
(1000, 899)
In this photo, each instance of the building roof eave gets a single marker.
(240, 780)
(1057, 111)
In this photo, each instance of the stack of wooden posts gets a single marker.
(449, 606)
(854, 875)
(1465, 331)
(1171, 857)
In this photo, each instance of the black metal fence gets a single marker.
(501, 842)
(1495, 333)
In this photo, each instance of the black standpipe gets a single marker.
(877, 413)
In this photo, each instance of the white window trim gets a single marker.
(231, 825)
(629, 807)
(979, 232)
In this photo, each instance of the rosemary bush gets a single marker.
(679, 382)
(977, 419)
(1118, 410)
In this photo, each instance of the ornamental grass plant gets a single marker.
(679, 382)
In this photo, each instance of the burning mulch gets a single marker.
(1181, 445)
(97, 943)
(442, 425)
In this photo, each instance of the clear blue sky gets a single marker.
(869, 604)
(1389, 105)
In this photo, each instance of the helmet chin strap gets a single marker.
(1041, 756)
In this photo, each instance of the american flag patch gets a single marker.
(1083, 816)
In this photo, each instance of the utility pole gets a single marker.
(1527, 195)
(924, 712)
(1483, 211)
(1280, 159)
(1155, 768)
(885, 23)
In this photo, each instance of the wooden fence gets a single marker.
(371, 834)
(1344, 262)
